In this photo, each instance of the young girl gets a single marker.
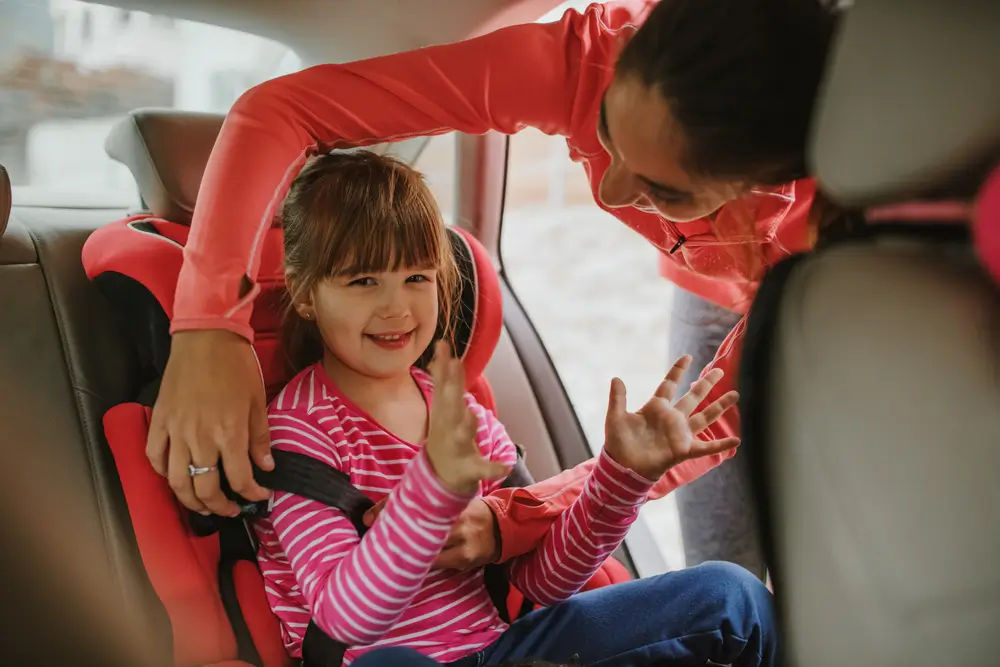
(372, 279)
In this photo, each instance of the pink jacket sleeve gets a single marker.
(537, 75)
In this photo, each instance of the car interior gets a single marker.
(869, 377)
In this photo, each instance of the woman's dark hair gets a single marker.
(740, 78)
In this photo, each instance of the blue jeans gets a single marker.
(715, 612)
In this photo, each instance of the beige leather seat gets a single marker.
(871, 377)
(73, 589)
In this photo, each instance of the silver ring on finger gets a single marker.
(194, 471)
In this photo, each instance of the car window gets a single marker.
(623, 327)
(70, 69)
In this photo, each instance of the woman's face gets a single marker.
(638, 131)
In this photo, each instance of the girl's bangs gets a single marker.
(408, 239)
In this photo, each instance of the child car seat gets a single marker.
(869, 378)
(207, 580)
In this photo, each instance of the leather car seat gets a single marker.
(72, 581)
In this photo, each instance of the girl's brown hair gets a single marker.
(353, 213)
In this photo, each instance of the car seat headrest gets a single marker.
(135, 262)
(5, 199)
(478, 320)
(166, 151)
(911, 100)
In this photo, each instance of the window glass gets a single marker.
(70, 69)
(437, 163)
(592, 290)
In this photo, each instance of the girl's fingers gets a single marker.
(699, 390)
(668, 387)
(712, 447)
(493, 469)
(705, 418)
(616, 398)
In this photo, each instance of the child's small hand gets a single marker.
(661, 435)
(451, 437)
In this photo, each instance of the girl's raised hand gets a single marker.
(661, 434)
(451, 434)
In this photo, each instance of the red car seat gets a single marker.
(135, 263)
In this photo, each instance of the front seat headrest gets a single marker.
(5, 199)
(166, 151)
(911, 100)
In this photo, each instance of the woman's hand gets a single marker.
(473, 540)
(661, 434)
(451, 435)
(210, 408)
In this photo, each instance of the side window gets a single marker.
(69, 70)
(592, 289)
(437, 162)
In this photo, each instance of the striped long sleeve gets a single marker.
(585, 535)
(357, 589)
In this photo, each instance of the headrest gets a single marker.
(146, 252)
(166, 151)
(911, 100)
(479, 318)
(5, 199)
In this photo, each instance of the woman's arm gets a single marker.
(539, 75)
(525, 515)
(358, 588)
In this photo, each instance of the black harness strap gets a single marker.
(310, 478)
(235, 545)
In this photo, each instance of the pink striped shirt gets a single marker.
(383, 590)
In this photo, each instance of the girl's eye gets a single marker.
(418, 278)
(363, 282)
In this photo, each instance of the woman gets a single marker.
(689, 116)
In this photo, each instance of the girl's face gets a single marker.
(645, 144)
(376, 325)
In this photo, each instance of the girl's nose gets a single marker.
(393, 303)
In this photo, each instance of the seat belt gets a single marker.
(310, 478)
